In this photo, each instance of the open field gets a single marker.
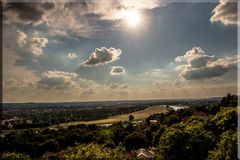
(124, 117)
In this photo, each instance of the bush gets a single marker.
(14, 156)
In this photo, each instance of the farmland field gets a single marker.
(123, 117)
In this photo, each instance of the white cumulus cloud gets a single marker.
(201, 65)
(72, 56)
(103, 55)
(37, 44)
(21, 38)
(117, 70)
(58, 80)
(225, 12)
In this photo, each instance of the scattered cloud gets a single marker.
(124, 86)
(200, 65)
(13, 84)
(103, 56)
(162, 85)
(58, 80)
(21, 38)
(115, 85)
(114, 10)
(155, 72)
(26, 13)
(225, 12)
(79, 15)
(195, 57)
(37, 44)
(72, 56)
(158, 83)
(117, 70)
(88, 91)
(178, 82)
(77, 24)
(87, 83)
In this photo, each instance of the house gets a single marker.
(153, 121)
(145, 154)
(49, 156)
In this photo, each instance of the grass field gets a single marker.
(123, 117)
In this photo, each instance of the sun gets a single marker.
(132, 18)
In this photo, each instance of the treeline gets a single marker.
(195, 133)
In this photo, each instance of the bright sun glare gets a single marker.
(132, 18)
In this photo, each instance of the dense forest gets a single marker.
(194, 133)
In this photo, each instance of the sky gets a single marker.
(118, 50)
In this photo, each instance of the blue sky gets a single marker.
(112, 50)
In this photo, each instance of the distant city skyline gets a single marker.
(97, 50)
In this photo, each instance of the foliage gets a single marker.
(135, 141)
(131, 117)
(157, 135)
(94, 151)
(229, 100)
(171, 144)
(226, 148)
(193, 133)
(14, 156)
(226, 119)
(50, 145)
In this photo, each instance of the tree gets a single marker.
(229, 100)
(50, 145)
(135, 141)
(171, 144)
(225, 119)
(157, 135)
(131, 117)
(171, 119)
(186, 141)
(226, 148)
(199, 141)
(95, 151)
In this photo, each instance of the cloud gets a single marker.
(202, 66)
(195, 57)
(88, 91)
(21, 38)
(158, 83)
(114, 10)
(103, 56)
(33, 13)
(117, 70)
(115, 85)
(80, 16)
(178, 82)
(37, 44)
(124, 86)
(225, 12)
(72, 56)
(13, 84)
(87, 83)
(77, 24)
(47, 13)
(155, 72)
(58, 80)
